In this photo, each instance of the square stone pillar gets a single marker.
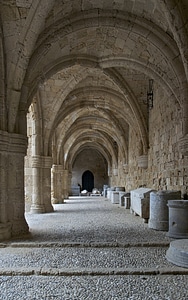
(12, 203)
(41, 197)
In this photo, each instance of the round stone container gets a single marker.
(178, 219)
(159, 216)
(178, 253)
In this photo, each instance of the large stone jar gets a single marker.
(178, 219)
(159, 216)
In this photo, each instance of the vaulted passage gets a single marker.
(93, 106)
(93, 94)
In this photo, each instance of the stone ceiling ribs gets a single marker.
(89, 63)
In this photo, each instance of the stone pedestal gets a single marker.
(127, 200)
(114, 197)
(158, 219)
(108, 193)
(105, 187)
(178, 253)
(178, 219)
(121, 198)
(41, 197)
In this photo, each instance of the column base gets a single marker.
(57, 201)
(49, 208)
(5, 231)
(19, 227)
(37, 209)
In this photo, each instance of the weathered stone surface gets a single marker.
(178, 221)
(178, 253)
(114, 197)
(159, 214)
(140, 199)
(80, 71)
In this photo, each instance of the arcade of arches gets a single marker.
(73, 98)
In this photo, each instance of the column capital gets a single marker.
(183, 145)
(57, 168)
(13, 143)
(44, 162)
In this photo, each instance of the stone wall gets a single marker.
(90, 160)
(167, 165)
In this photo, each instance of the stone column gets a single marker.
(57, 183)
(41, 197)
(16, 184)
(12, 204)
(5, 225)
(65, 181)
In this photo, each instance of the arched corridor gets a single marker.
(90, 85)
(98, 85)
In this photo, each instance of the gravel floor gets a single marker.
(87, 220)
(84, 257)
(94, 288)
(89, 249)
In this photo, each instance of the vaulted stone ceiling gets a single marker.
(86, 64)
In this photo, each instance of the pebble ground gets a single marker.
(89, 248)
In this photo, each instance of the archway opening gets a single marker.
(87, 181)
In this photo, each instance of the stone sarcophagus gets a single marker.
(140, 202)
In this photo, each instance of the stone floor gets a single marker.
(89, 249)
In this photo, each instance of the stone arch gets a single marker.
(175, 18)
(19, 61)
(118, 103)
(142, 27)
(155, 36)
(83, 145)
(132, 64)
(101, 142)
(91, 124)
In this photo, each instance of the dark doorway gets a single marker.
(87, 181)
